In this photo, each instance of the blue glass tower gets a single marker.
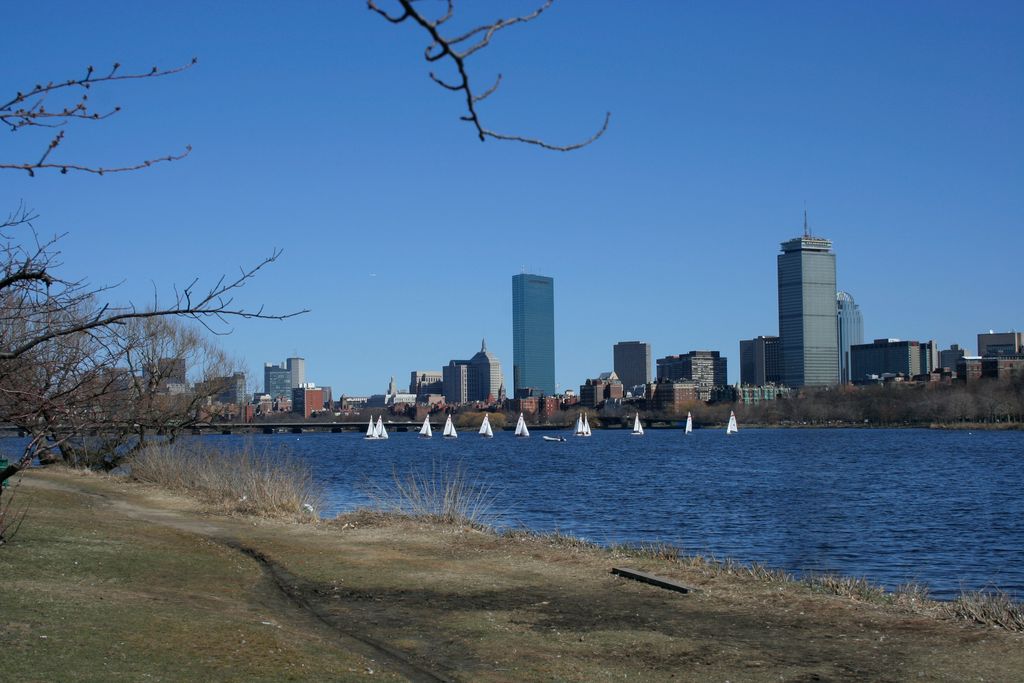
(533, 333)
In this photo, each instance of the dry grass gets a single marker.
(245, 480)
(446, 495)
(858, 588)
(989, 608)
(647, 551)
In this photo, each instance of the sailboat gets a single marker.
(638, 429)
(582, 425)
(689, 422)
(371, 430)
(485, 427)
(578, 430)
(449, 429)
(731, 429)
(425, 431)
(521, 429)
(380, 431)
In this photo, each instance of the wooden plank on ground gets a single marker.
(658, 581)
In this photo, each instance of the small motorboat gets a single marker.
(553, 438)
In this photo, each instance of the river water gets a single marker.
(944, 508)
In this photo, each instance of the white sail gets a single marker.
(485, 427)
(586, 425)
(638, 429)
(578, 431)
(371, 430)
(689, 422)
(449, 429)
(425, 431)
(731, 429)
(521, 429)
(381, 432)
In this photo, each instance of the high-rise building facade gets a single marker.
(950, 358)
(632, 363)
(297, 368)
(1000, 344)
(760, 363)
(533, 333)
(424, 382)
(230, 389)
(892, 356)
(706, 368)
(484, 375)
(456, 382)
(277, 380)
(850, 329)
(807, 312)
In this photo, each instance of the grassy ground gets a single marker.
(110, 581)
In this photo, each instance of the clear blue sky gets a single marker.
(316, 129)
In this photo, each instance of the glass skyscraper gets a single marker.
(533, 333)
(850, 328)
(807, 312)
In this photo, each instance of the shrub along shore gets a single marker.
(112, 579)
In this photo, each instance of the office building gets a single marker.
(166, 376)
(230, 389)
(706, 368)
(533, 334)
(760, 362)
(807, 311)
(891, 357)
(632, 362)
(456, 382)
(1000, 344)
(485, 382)
(426, 382)
(307, 400)
(950, 358)
(297, 368)
(850, 330)
(171, 370)
(277, 380)
(476, 379)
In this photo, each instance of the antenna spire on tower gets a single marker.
(807, 232)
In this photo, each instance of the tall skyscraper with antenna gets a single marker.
(807, 311)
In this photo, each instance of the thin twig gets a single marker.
(441, 47)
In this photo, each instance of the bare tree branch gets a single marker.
(28, 110)
(216, 303)
(454, 49)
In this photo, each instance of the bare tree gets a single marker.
(62, 345)
(457, 49)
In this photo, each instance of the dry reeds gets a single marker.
(446, 494)
(989, 608)
(246, 480)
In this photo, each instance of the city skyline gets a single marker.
(725, 121)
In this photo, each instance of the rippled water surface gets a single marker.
(943, 508)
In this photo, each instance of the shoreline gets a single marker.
(411, 599)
